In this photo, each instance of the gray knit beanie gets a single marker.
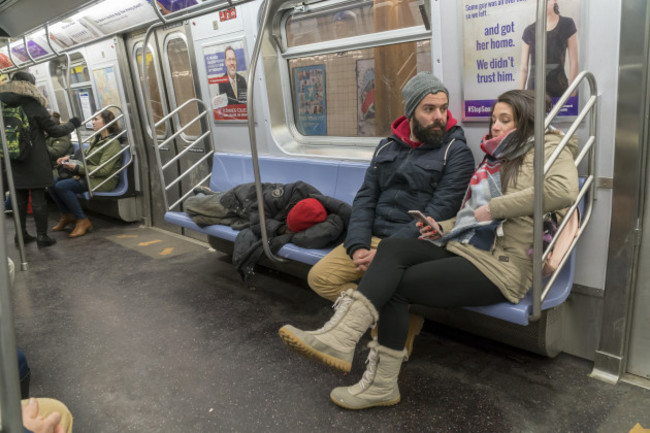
(417, 88)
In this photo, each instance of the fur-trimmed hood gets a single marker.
(13, 91)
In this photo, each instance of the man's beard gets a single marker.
(428, 135)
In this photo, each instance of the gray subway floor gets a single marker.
(137, 330)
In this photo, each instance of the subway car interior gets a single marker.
(148, 321)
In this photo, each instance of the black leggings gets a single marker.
(39, 208)
(415, 271)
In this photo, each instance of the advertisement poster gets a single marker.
(5, 62)
(226, 66)
(366, 98)
(170, 6)
(112, 17)
(498, 39)
(311, 110)
(84, 100)
(107, 86)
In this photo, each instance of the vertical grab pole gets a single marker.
(10, 390)
(538, 179)
(251, 132)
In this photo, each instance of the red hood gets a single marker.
(402, 129)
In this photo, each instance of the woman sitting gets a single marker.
(65, 190)
(480, 257)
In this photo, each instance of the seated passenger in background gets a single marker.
(425, 165)
(72, 180)
(58, 146)
(480, 257)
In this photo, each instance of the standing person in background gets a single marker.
(58, 146)
(561, 38)
(35, 173)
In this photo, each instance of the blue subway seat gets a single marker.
(339, 179)
(122, 187)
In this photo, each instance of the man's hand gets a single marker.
(362, 258)
(32, 421)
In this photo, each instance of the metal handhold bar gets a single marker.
(180, 200)
(251, 132)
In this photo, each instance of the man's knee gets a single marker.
(327, 284)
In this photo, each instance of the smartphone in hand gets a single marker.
(420, 217)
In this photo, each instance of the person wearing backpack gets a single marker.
(32, 172)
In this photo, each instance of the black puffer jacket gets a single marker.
(429, 178)
(278, 201)
(36, 170)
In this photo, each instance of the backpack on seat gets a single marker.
(17, 131)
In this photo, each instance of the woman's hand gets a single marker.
(63, 159)
(483, 213)
(69, 165)
(430, 232)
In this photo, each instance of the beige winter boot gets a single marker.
(334, 343)
(378, 385)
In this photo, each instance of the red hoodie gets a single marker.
(402, 129)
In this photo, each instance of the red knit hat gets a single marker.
(305, 214)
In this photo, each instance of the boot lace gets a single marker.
(371, 369)
(340, 307)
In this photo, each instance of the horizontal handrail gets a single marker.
(184, 151)
(182, 129)
(591, 106)
(188, 193)
(189, 170)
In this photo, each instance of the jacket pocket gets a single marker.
(430, 168)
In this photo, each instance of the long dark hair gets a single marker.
(107, 117)
(522, 103)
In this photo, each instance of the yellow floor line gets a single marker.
(166, 251)
(144, 244)
(126, 236)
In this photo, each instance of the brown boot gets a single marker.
(80, 229)
(65, 220)
(415, 326)
(416, 322)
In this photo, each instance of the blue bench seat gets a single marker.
(122, 187)
(339, 179)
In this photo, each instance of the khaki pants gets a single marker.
(336, 273)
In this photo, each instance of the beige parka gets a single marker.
(508, 265)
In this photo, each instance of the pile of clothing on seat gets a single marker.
(295, 212)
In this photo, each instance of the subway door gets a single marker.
(159, 106)
(181, 90)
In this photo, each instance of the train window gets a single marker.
(81, 93)
(344, 57)
(354, 19)
(57, 73)
(154, 87)
(178, 63)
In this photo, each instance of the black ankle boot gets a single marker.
(27, 238)
(44, 241)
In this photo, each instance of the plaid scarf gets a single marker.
(484, 185)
